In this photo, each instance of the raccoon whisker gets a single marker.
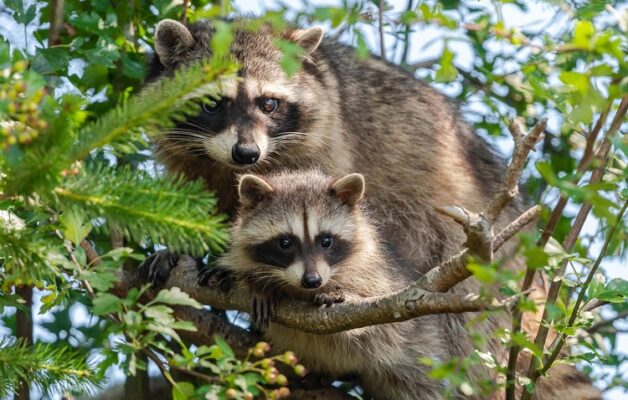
(165, 154)
(202, 128)
(178, 146)
(179, 134)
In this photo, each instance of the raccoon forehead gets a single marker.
(254, 88)
(304, 225)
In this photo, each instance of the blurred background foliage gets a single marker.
(76, 168)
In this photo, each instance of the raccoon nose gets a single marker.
(311, 281)
(245, 153)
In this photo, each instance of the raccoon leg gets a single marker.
(213, 276)
(156, 268)
(263, 310)
(328, 299)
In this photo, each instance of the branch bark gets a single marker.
(24, 331)
(380, 16)
(56, 22)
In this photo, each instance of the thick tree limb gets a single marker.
(406, 304)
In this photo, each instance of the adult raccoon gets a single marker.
(340, 114)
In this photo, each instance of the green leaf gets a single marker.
(615, 291)
(483, 273)
(182, 391)
(547, 172)
(583, 32)
(291, 56)
(536, 257)
(521, 339)
(447, 71)
(175, 296)
(74, 228)
(100, 280)
(577, 80)
(160, 313)
(224, 346)
(106, 303)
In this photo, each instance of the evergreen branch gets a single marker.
(166, 210)
(158, 107)
(50, 368)
(27, 256)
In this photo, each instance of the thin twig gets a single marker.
(406, 36)
(570, 240)
(510, 187)
(184, 15)
(557, 213)
(607, 322)
(56, 22)
(559, 342)
(382, 43)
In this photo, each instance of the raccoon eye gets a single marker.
(269, 105)
(327, 241)
(285, 243)
(212, 106)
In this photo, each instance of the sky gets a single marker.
(427, 44)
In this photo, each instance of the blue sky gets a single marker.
(427, 44)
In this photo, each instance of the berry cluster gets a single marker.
(20, 118)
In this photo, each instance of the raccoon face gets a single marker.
(257, 113)
(296, 229)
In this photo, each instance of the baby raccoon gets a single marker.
(304, 235)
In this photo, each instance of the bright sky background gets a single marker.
(426, 44)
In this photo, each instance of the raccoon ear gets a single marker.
(252, 189)
(309, 39)
(349, 189)
(171, 37)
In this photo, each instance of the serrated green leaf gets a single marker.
(74, 228)
(615, 291)
(106, 303)
(182, 391)
(175, 296)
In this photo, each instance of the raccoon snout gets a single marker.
(311, 281)
(245, 153)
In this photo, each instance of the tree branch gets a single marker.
(534, 367)
(555, 216)
(56, 22)
(380, 16)
(560, 341)
(403, 305)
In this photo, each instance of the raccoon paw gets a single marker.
(263, 311)
(328, 299)
(156, 268)
(213, 277)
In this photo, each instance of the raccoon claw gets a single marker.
(216, 277)
(156, 268)
(263, 311)
(328, 299)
